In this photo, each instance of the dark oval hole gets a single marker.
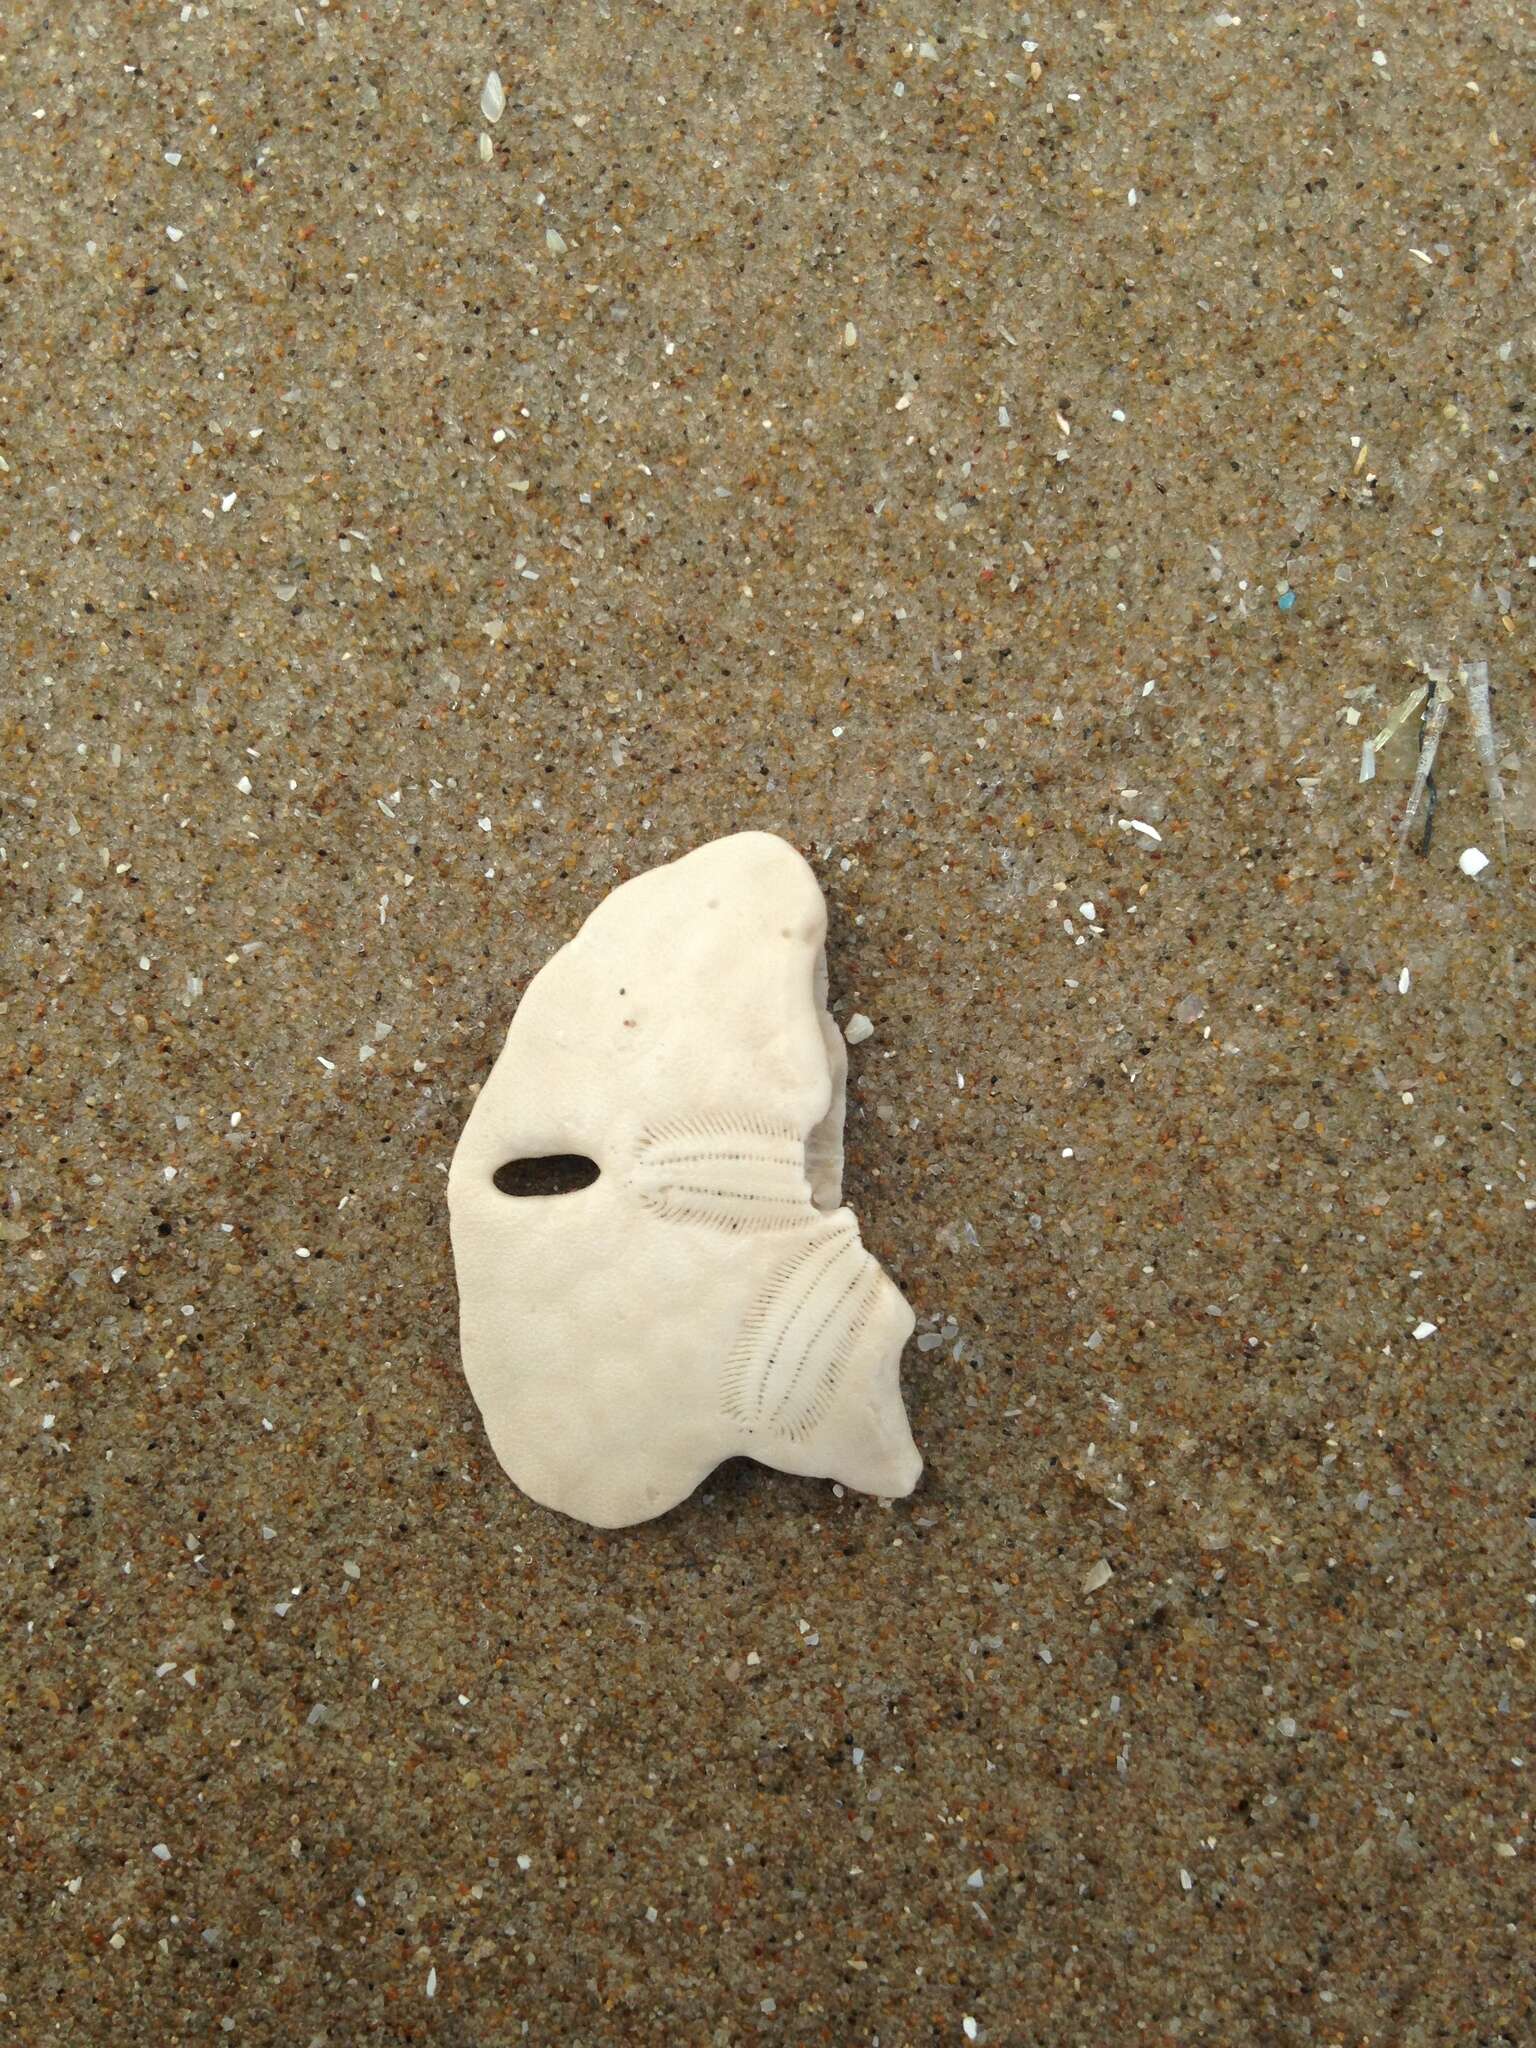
(558, 1173)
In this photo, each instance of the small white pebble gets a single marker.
(1140, 825)
(1186, 1880)
(1287, 1727)
(1098, 1575)
(174, 234)
(486, 147)
(1423, 1330)
(1403, 982)
(850, 335)
(161, 1852)
(858, 1028)
(244, 785)
(301, 1251)
(352, 1568)
(493, 101)
(1473, 861)
(968, 2028)
(1087, 910)
(554, 242)
(904, 401)
(525, 1863)
(432, 1983)
(976, 1880)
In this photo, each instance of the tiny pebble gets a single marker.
(1473, 861)
(858, 1028)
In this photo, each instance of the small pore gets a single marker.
(556, 1173)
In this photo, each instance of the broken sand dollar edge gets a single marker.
(655, 1267)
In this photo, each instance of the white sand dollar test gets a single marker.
(655, 1267)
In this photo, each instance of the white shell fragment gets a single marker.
(493, 101)
(699, 1292)
(858, 1028)
(1473, 861)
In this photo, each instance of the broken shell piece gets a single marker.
(1473, 861)
(655, 1270)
